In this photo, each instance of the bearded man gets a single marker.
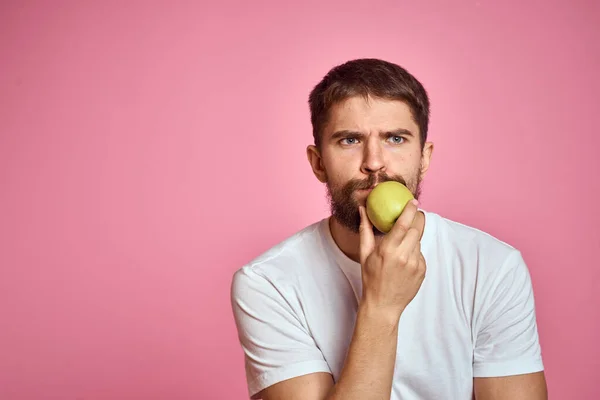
(433, 309)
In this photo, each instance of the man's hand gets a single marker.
(394, 269)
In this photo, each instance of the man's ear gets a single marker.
(316, 163)
(426, 158)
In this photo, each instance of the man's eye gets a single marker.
(397, 139)
(349, 140)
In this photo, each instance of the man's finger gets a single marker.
(410, 245)
(402, 224)
(367, 238)
(416, 253)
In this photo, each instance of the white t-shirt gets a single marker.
(474, 316)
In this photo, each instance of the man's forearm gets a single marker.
(369, 367)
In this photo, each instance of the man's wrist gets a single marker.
(382, 317)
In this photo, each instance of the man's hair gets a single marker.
(368, 77)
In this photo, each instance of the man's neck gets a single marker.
(349, 242)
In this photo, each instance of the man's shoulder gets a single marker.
(286, 261)
(488, 253)
(462, 234)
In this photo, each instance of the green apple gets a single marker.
(385, 204)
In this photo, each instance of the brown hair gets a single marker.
(368, 77)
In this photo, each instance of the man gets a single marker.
(431, 310)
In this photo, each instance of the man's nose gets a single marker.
(373, 158)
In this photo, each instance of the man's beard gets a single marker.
(344, 207)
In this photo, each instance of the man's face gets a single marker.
(363, 144)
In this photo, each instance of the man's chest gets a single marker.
(434, 350)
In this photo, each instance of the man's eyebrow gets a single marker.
(346, 133)
(349, 133)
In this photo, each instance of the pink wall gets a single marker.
(148, 151)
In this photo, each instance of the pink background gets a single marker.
(149, 149)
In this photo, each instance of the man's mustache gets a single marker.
(371, 181)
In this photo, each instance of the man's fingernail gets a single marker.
(415, 202)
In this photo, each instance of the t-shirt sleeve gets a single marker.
(276, 344)
(507, 340)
